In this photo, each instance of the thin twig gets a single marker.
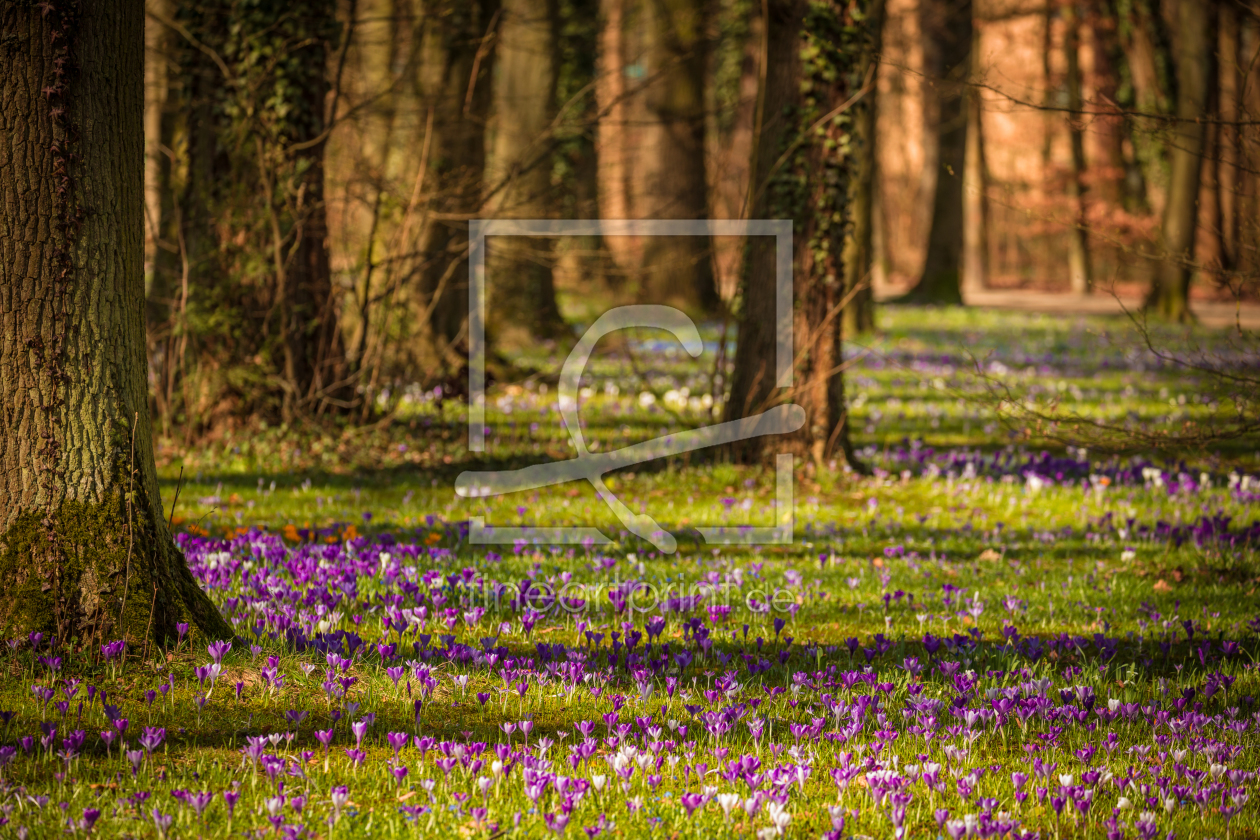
(148, 630)
(171, 522)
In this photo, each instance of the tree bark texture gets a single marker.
(84, 545)
(1169, 296)
(946, 60)
(809, 154)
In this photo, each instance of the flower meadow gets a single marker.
(988, 641)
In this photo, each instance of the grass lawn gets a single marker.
(989, 637)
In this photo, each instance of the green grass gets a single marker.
(884, 555)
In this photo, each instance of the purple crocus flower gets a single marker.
(162, 822)
(218, 650)
(152, 738)
(359, 728)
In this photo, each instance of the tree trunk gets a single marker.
(1228, 180)
(651, 144)
(1079, 273)
(615, 133)
(1247, 216)
(1146, 54)
(1107, 135)
(521, 297)
(818, 57)
(162, 256)
(946, 67)
(454, 80)
(256, 302)
(156, 164)
(735, 70)
(676, 269)
(859, 250)
(314, 350)
(84, 545)
(975, 191)
(1169, 295)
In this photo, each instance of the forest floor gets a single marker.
(988, 637)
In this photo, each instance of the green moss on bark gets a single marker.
(98, 576)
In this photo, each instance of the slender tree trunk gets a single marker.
(584, 259)
(455, 73)
(1227, 162)
(1080, 275)
(1047, 84)
(1148, 59)
(651, 144)
(1247, 259)
(947, 64)
(730, 138)
(84, 545)
(156, 164)
(798, 174)
(676, 269)
(253, 226)
(859, 248)
(314, 349)
(975, 190)
(617, 134)
(1103, 81)
(521, 289)
(1169, 295)
(162, 258)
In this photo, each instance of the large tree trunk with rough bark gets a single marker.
(1169, 295)
(819, 55)
(84, 545)
(520, 287)
(946, 65)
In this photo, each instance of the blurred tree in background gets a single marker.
(312, 168)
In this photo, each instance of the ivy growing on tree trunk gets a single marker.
(84, 546)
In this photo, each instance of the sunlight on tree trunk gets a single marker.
(652, 144)
(859, 247)
(1169, 296)
(819, 57)
(975, 189)
(84, 545)
(1080, 277)
(454, 80)
(521, 290)
(947, 65)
